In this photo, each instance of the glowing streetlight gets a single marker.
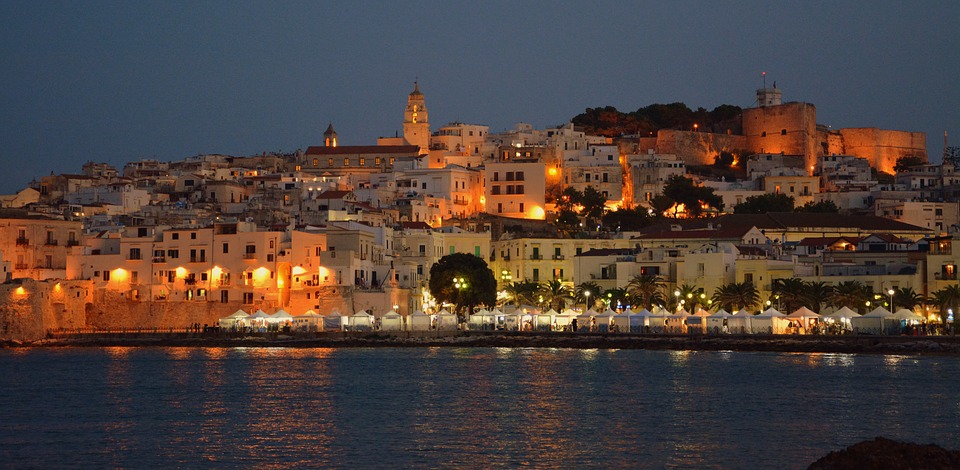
(891, 292)
(586, 305)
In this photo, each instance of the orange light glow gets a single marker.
(181, 272)
(120, 275)
(21, 291)
(261, 275)
(297, 270)
(552, 172)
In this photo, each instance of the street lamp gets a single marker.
(891, 292)
(586, 305)
(676, 294)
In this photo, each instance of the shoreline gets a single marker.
(897, 345)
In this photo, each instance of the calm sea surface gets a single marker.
(461, 408)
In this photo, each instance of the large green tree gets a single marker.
(851, 294)
(682, 190)
(555, 294)
(763, 203)
(479, 286)
(647, 290)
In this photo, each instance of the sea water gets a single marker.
(461, 407)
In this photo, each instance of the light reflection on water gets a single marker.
(461, 407)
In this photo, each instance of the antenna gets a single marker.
(764, 79)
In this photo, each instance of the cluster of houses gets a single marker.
(358, 227)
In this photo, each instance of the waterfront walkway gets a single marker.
(942, 345)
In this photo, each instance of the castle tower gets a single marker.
(769, 96)
(416, 126)
(330, 137)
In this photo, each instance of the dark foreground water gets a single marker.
(461, 408)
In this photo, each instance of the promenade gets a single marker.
(868, 344)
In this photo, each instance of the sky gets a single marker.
(119, 81)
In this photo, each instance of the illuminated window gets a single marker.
(377, 161)
(363, 161)
(346, 162)
(316, 162)
(330, 161)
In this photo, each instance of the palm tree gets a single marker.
(907, 298)
(555, 294)
(581, 293)
(691, 297)
(947, 299)
(851, 294)
(616, 296)
(736, 296)
(818, 293)
(646, 289)
(790, 293)
(522, 292)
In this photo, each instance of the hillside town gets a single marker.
(802, 213)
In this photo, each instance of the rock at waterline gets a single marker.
(887, 454)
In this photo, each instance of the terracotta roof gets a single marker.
(331, 194)
(363, 149)
(416, 225)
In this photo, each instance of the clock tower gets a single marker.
(416, 126)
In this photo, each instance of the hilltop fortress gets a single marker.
(789, 128)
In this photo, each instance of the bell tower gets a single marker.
(416, 126)
(330, 137)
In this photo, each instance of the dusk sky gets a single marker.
(121, 81)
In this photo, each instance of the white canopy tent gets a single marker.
(621, 321)
(697, 322)
(878, 321)
(258, 320)
(677, 322)
(333, 321)
(804, 320)
(391, 321)
(769, 322)
(234, 321)
(446, 320)
(361, 321)
(741, 322)
(640, 321)
(419, 321)
(482, 320)
(309, 321)
(717, 323)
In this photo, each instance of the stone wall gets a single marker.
(697, 148)
(883, 147)
(28, 308)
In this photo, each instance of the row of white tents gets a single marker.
(660, 321)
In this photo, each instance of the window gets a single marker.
(609, 158)
(423, 250)
(106, 275)
(134, 253)
(536, 274)
(175, 236)
(605, 178)
(499, 208)
(476, 250)
(193, 236)
(763, 134)
(496, 176)
(783, 132)
(453, 249)
(346, 162)
(226, 248)
(173, 254)
(134, 277)
(521, 207)
(363, 161)
(495, 190)
(377, 161)
(519, 189)
(316, 162)
(519, 176)
(420, 270)
(748, 277)
(330, 161)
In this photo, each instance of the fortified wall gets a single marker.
(695, 148)
(882, 147)
(29, 308)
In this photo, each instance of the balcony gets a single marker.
(945, 276)
(159, 259)
(249, 256)
(23, 241)
(536, 257)
(506, 257)
(558, 257)
(51, 243)
(73, 242)
(20, 266)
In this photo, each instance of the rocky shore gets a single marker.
(934, 345)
